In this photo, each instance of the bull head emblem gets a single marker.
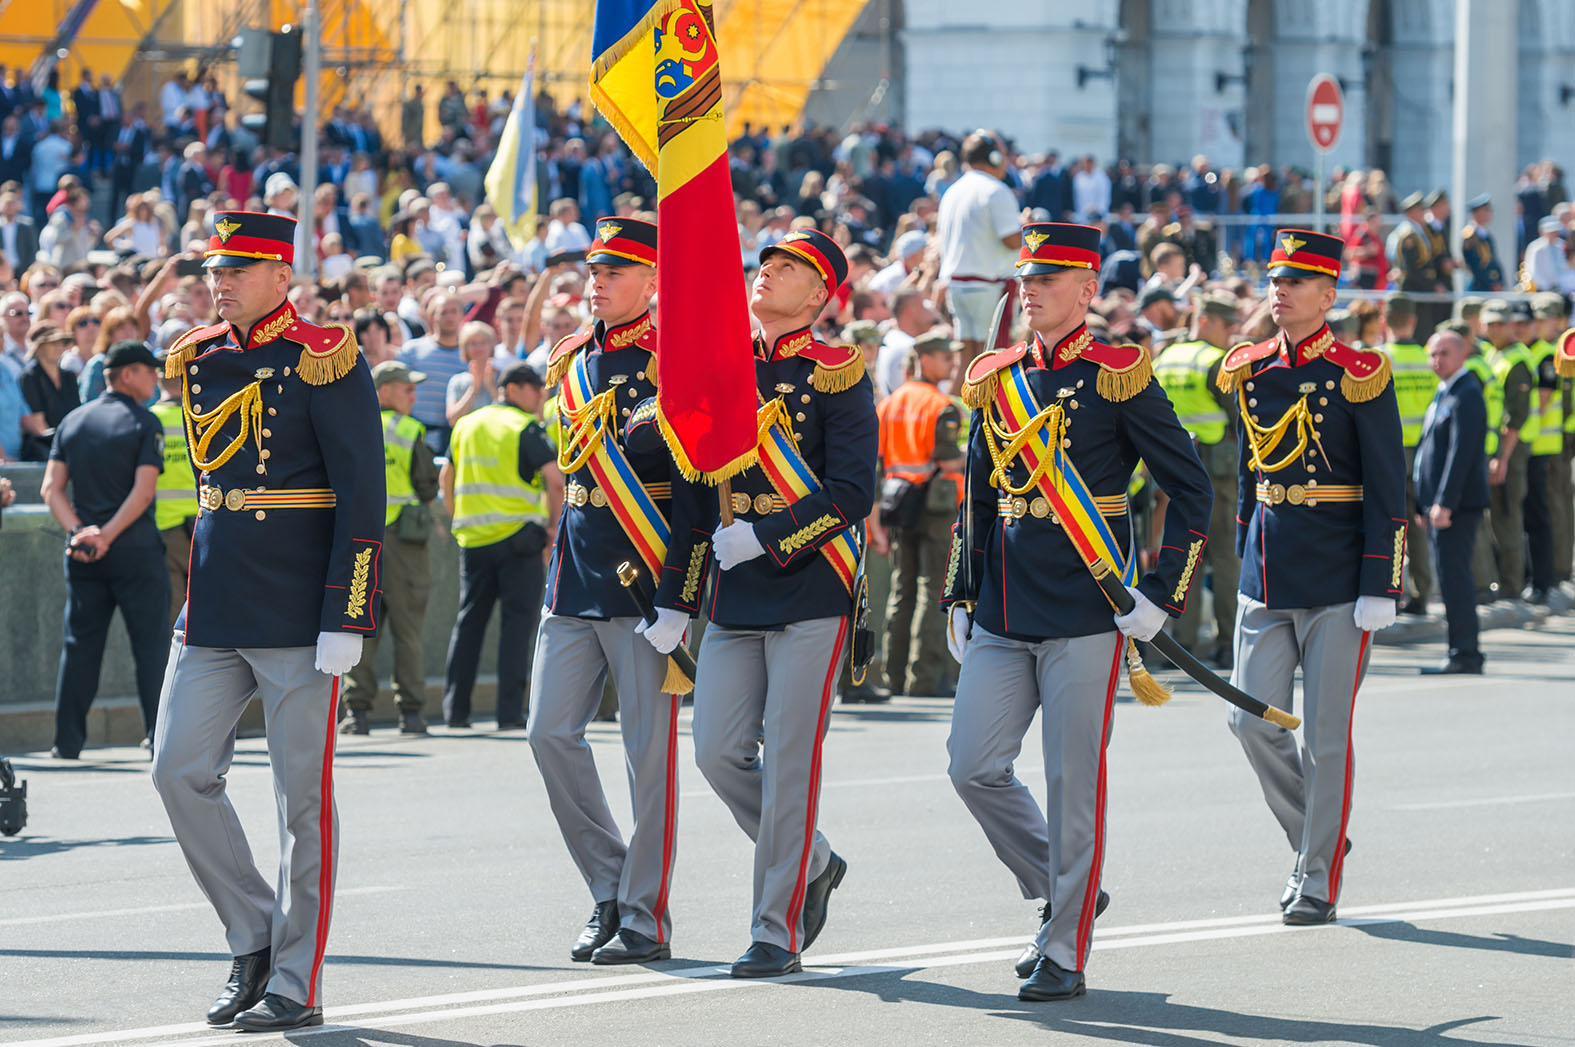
(679, 43)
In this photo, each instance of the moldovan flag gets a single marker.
(511, 180)
(656, 77)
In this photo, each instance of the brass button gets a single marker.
(1080, 383)
(740, 503)
(633, 391)
(278, 388)
(262, 468)
(1329, 384)
(1066, 443)
(266, 455)
(1323, 401)
(196, 388)
(598, 498)
(267, 432)
(799, 417)
(1040, 507)
(1252, 402)
(1055, 519)
(1317, 417)
(261, 515)
(640, 375)
(193, 368)
(1312, 483)
(1019, 507)
(626, 412)
(1073, 404)
(1249, 387)
(235, 500)
(804, 398)
(287, 372)
(763, 504)
(272, 411)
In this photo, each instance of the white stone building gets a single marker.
(1163, 80)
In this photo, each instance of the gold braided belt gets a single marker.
(237, 499)
(580, 495)
(1310, 493)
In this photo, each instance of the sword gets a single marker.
(1122, 600)
(679, 657)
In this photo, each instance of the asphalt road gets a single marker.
(457, 901)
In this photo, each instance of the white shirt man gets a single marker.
(1090, 190)
(1547, 261)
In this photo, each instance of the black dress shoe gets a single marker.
(1454, 667)
(818, 894)
(1049, 982)
(1414, 606)
(599, 930)
(248, 979)
(359, 721)
(1028, 959)
(1293, 884)
(764, 960)
(630, 946)
(511, 725)
(1307, 911)
(865, 694)
(277, 1013)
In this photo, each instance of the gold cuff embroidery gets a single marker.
(1186, 575)
(692, 576)
(808, 533)
(355, 606)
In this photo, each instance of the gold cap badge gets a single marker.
(226, 229)
(1033, 240)
(1291, 244)
(607, 230)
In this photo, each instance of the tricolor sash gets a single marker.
(791, 476)
(1033, 434)
(590, 440)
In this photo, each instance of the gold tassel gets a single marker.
(1230, 380)
(1564, 356)
(839, 378)
(557, 368)
(1144, 687)
(675, 682)
(979, 393)
(1117, 386)
(323, 368)
(1361, 390)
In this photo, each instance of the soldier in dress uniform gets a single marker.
(1058, 427)
(781, 598)
(1321, 530)
(618, 506)
(285, 583)
(1410, 250)
(1188, 373)
(1476, 244)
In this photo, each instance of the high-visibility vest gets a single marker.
(1492, 395)
(1502, 361)
(175, 495)
(400, 433)
(908, 418)
(1550, 434)
(491, 501)
(1183, 372)
(1415, 384)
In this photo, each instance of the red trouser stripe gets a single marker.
(1337, 863)
(325, 826)
(812, 801)
(1085, 919)
(669, 818)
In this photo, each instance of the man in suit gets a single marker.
(16, 150)
(129, 147)
(18, 234)
(1452, 491)
(84, 101)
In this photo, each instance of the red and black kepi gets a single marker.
(1050, 247)
(1302, 252)
(819, 250)
(623, 241)
(244, 237)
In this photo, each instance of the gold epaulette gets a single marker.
(1124, 370)
(1367, 373)
(328, 353)
(980, 381)
(837, 367)
(562, 356)
(1564, 355)
(187, 346)
(1237, 365)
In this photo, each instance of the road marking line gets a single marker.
(18, 921)
(859, 783)
(706, 978)
(1481, 801)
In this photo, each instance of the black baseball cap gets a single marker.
(130, 351)
(520, 373)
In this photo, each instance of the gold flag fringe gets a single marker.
(688, 469)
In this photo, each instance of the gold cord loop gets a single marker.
(1263, 440)
(203, 427)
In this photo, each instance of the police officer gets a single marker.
(1509, 466)
(1188, 373)
(921, 487)
(410, 477)
(503, 487)
(1028, 622)
(1322, 538)
(620, 483)
(1415, 385)
(110, 450)
(1547, 493)
(175, 498)
(781, 596)
(285, 580)
(1476, 245)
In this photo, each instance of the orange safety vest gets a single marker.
(907, 432)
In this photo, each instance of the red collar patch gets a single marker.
(625, 335)
(271, 327)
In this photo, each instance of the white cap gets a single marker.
(911, 242)
(277, 183)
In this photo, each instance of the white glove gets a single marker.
(664, 633)
(736, 543)
(337, 653)
(957, 630)
(1145, 620)
(1374, 613)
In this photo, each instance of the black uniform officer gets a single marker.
(111, 450)
(1476, 244)
(284, 435)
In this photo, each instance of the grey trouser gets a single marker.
(573, 656)
(1002, 685)
(762, 703)
(1309, 790)
(205, 691)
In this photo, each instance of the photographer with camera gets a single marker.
(111, 450)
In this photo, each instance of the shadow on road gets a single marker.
(26, 847)
(1499, 942)
(141, 955)
(329, 1036)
